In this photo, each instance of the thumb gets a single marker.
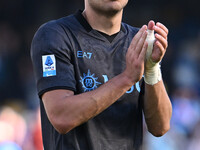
(151, 25)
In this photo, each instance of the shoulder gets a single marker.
(52, 32)
(54, 27)
(49, 28)
(51, 37)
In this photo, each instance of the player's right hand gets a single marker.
(135, 57)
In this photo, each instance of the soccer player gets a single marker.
(89, 68)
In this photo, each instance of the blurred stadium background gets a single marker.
(19, 114)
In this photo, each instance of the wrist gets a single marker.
(127, 79)
(152, 75)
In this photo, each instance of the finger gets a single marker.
(162, 27)
(160, 47)
(137, 37)
(140, 44)
(143, 52)
(162, 40)
(160, 31)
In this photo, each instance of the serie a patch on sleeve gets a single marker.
(49, 65)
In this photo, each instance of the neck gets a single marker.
(109, 24)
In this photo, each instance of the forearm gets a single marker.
(157, 108)
(71, 111)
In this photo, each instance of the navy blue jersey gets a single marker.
(68, 54)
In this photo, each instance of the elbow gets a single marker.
(159, 131)
(62, 126)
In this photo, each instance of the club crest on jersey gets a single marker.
(89, 82)
(49, 65)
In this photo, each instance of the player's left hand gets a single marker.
(161, 43)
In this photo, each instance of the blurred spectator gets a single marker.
(37, 134)
(186, 114)
(12, 126)
(9, 146)
(194, 143)
(20, 131)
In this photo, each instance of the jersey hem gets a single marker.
(55, 88)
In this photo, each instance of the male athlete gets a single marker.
(89, 69)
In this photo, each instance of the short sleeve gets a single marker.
(51, 56)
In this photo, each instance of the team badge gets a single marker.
(89, 82)
(49, 65)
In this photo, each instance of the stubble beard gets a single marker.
(109, 12)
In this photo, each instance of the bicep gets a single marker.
(54, 101)
(53, 98)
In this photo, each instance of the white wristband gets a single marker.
(152, 74)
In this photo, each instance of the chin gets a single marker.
(117, 5)
(113, 7)
(109, 7)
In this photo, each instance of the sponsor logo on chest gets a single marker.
(81, 54)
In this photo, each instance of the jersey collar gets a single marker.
(78, 15)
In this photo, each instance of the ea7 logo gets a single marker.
(81, 54)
